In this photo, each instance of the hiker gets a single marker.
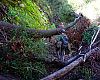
(62, 45)
(61, 25)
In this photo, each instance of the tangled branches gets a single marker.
(75, 34)
(95, 61)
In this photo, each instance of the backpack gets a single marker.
(64, 40)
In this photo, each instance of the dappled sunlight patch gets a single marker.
(91, 9)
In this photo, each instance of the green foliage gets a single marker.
(87, 35)
(30, 45)
(44, 7)
(87, 73)
(52, 26)
(19, 54)
(26, 13)
(62, 9)
(36, 13)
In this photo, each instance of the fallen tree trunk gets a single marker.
(66, 69)
(37, 33)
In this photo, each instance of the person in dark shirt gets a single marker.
(62, 45)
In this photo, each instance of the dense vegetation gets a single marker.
(21, 49)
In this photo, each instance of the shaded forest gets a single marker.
(28, 40)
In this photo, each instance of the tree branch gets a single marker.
(66, 69)
(37, 33)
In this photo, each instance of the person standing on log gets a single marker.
(62, 45)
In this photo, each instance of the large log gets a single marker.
(38, 33)
(66, 69)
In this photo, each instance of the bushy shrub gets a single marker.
(19, 53)
(87, 35)
(61, 9)
(26, 13)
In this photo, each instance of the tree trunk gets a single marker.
(66, 69)
(37, 33)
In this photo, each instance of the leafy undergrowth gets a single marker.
(18, 56)
(25, 13)
(18, 49)
(87, 35)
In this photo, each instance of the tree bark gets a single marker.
(66, 69)
(38, 33)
